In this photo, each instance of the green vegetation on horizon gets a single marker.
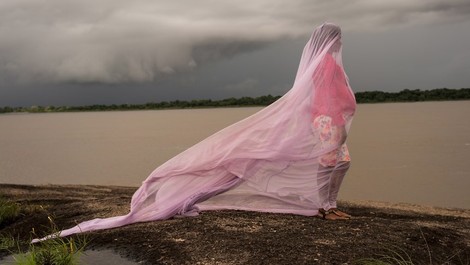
(406, 95)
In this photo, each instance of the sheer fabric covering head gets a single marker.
(268, 162)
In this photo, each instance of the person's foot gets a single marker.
(340, 213)
(331, 215)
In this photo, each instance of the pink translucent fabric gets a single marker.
(268, 162)
(331, 134)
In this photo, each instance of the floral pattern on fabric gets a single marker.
(330, 135)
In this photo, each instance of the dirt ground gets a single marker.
(239, 237)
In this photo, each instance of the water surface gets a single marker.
(401, 152)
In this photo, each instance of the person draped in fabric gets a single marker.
(289, 157)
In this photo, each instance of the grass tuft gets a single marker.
(395, 257)
(399, 256)
(7, 242)
(55, 251)
(9, 211)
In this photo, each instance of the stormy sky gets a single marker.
(60, 52)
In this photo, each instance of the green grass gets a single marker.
(55, 251)
(9, 211)
(7, 242)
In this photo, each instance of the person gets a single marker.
(332, 85)
(289, 157)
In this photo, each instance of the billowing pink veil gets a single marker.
(267, 162)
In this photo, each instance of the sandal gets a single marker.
(340, 213)
(330, 214)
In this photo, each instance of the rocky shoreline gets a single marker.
(239, 237)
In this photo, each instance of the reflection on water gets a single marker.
(408, 152)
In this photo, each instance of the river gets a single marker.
(401, 152)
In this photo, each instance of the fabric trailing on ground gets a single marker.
(267, 162)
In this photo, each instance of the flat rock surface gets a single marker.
(239, 237)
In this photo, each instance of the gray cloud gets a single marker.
(245, 85)
(115, 41)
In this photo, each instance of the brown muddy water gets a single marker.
(401, 152)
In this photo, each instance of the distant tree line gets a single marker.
(361, 97)
(413, 95)
(176, 104)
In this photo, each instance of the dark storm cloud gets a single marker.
(116, 41)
